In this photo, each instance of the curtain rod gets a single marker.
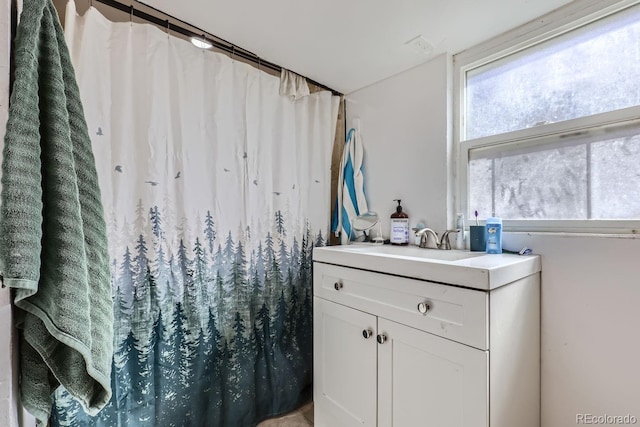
(219, 43)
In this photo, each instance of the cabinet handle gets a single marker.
(337, 286)
(381, 338)
(424, 307)
(367, 333)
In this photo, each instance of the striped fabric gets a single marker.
(350, 201)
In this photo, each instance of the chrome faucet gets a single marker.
(424, 237)
(443, 243)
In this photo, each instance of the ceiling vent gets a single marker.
(420, 45)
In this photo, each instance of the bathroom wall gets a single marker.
(403, 124)
(8, 381)
(590, 284)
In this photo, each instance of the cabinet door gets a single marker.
(344, 359)
(429, 381)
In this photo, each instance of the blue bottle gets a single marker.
(493, 235)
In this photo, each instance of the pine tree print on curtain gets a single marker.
(216, 191)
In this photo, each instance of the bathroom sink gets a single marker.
(414, 252)
(477, 270)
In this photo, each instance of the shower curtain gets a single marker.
(215, 189)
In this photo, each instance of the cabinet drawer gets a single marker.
(455, 313)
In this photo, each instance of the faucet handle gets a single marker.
(424, 237)
(444, 241)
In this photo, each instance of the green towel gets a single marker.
(53, 245)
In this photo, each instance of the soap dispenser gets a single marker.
(399, 226)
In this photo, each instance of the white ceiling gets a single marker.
(350, 44)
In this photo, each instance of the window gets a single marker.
(549, 123)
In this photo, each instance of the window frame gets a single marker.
(572, 16)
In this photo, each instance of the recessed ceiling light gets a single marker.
(202, 44)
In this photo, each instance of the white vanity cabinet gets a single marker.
(406, 352)
(345, 366)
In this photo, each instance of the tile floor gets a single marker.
(303, 417)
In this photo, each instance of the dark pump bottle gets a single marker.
(399, 226)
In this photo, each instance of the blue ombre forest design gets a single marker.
(211, 331)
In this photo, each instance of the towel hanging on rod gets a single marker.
(350, 200)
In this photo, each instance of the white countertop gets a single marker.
(477, 270)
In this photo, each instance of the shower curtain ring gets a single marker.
(130, 14)
(233, 50)
(168, 29)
